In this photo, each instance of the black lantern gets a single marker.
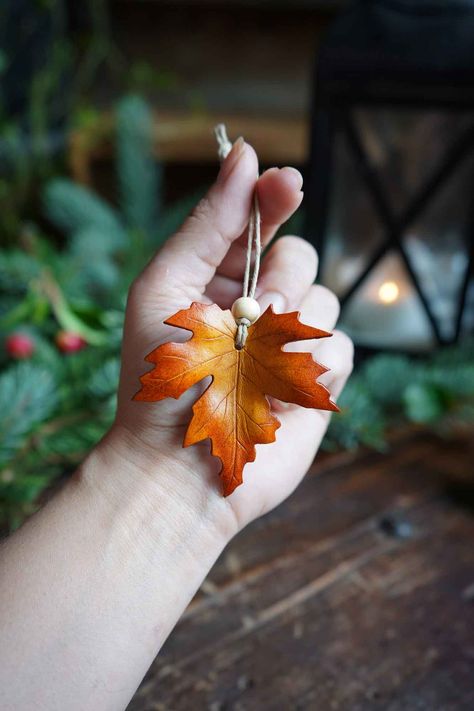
(390, 191)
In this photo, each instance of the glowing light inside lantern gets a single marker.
(389, 292)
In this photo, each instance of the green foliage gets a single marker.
(104, 381)
(17, 269)
(55, 407)
(389, 390)
(75, 209)
(361, 420)
(423, 402)
(386, 390)
(139, 178)
(28, 396)
(65, 69)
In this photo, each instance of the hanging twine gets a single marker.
(253, 241)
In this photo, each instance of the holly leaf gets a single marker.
(234, 411)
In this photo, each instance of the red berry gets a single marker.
(69, 342)
(20, 345)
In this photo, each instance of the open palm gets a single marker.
(204, 262)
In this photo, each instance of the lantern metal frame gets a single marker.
(349, 77)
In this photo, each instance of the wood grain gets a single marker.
(357, 593)
(184, 137)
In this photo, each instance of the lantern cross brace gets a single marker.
(396, 226)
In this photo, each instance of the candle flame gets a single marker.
(389, 292)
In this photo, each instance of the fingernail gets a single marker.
(232, 159)
(294, 177)
(275, 298)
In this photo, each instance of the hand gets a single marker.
(204, 262)
(128, 540)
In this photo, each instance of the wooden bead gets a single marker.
(245, 307)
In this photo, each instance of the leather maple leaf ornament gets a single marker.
(234, 411)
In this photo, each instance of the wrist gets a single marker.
(151, 489)
(125, 555)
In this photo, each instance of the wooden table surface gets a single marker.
(356, 594)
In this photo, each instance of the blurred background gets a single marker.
(106, 142)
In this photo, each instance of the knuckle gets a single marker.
(202, 212)
(298, 257)
(330, 300)
(345, 349)
(307, 256)
(300, 246)
(307, 249)
(203, 219)
(299, 243)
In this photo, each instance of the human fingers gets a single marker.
(279, 196)
(287, 271)
(337, 354)
(187, 262)
(319, 308)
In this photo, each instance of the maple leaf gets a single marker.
(234, 411)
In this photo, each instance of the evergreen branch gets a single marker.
(28, 396)
(73, 207)
(139, 177)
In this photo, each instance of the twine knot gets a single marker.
(224, 146)
(241, 335)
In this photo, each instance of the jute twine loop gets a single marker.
(253, 241)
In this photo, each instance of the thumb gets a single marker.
(188, 261)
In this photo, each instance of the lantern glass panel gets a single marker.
(354, 228)
(406, 146)
(409, 153)
(436, 245)
(385, 312)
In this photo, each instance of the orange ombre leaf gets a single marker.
(234, 411)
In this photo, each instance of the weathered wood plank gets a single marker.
(328, 609)
(338, 492)
(189, 138)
